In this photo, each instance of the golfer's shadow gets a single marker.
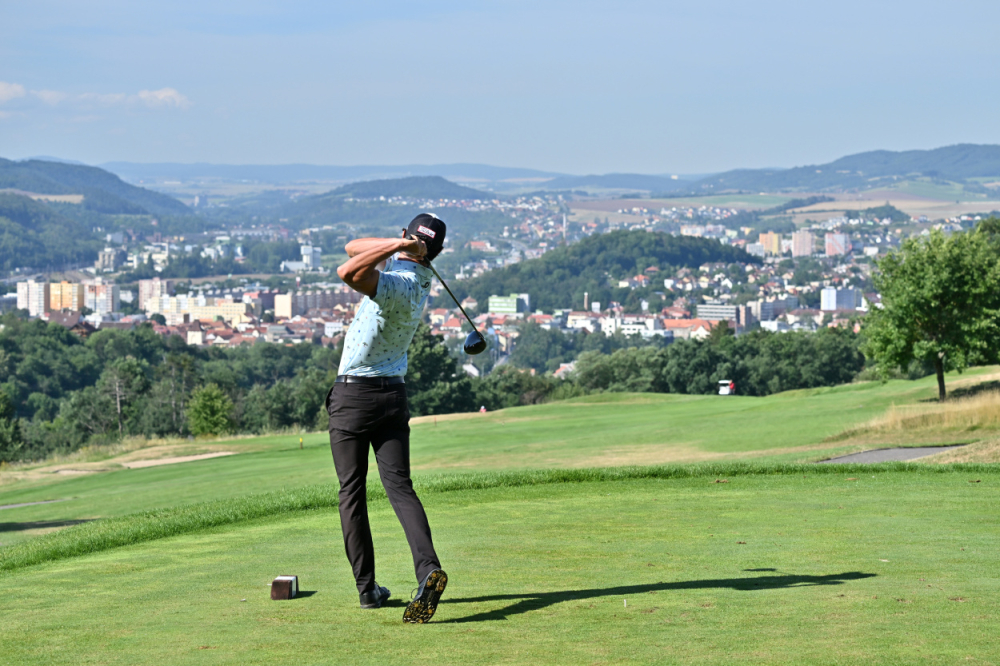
(529, 602)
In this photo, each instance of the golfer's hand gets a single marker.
(415, 247)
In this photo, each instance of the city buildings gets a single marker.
(154, 288)
(837, 244)
(803, 244)
(771, 241)
(510, 304)
(66, 296)
(832, 299)
(99, 297)
(34, 297)
(110, 259)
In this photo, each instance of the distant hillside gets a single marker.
(423, 187)
(875, 168)
(559, 278)
(33, 235)
(292, 173)
(617, 181)
(103, 192)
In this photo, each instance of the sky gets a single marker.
(576, 87)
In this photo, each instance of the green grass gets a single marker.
(925, 187)
(595, 431)
(95, 536)
(894, 567)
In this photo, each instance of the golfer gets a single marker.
(367, 404)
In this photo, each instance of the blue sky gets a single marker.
(578, 87)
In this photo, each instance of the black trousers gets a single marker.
(361, 416)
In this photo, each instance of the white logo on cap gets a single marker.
(424, 230)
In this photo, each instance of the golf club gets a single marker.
(475, 342)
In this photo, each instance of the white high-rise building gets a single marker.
(803, 244)
(832, 299)
(312, 257)
(33, 297)
(100, 297)
(153, 289)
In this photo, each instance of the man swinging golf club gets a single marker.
(367, 404)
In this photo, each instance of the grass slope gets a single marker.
(596, 431)
(818, 568)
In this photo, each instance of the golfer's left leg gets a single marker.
(391, 442)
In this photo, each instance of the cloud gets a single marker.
(9, 91)
(163, 97)
(153, 99)
(50, 97)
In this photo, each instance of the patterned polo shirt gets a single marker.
(383, 326)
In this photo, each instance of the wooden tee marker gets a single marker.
(284, 587)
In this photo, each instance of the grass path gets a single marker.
(890, 568)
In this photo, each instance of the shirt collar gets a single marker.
(407, 265)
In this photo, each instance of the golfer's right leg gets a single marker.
(349, 442)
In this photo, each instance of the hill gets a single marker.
(103, 192)
(618, 181)
(558, 279)
(417, 187)
(876, 168)
(292, 173)
(34, 235)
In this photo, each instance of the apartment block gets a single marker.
(66, 296)
(803, 244)
(771, 242)
(100, 297)
(34, 297)
(832, 299)
(837, 244)
(509, 304)
(110, 259)
(153, 289)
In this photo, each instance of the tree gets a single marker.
(123, 381)
(940, 305)
(11, 440)
(210, 411)
(434, 383)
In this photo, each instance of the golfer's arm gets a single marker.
(360, 272)
(359, 245)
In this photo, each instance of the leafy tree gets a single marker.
(434, 382)
(940, 304)
(513, 387)
(123, 381)
(11, 440)
(210, 411)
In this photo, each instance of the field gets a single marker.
(716, 542)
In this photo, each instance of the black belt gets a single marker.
(369, 381)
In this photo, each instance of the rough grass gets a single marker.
(135, 528)
(980, 412)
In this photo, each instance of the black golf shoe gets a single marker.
(375, 597)
(425, 601)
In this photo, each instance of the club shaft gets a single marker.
(445, 285)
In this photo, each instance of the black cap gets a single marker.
(431, 230)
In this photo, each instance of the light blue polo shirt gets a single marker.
(383, 326)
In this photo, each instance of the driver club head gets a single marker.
(475, 343)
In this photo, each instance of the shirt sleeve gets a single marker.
(392, 289)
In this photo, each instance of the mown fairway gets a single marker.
(595, 431)
(882, 567)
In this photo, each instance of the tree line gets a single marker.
(59, 393)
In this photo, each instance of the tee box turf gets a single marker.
(285, 587)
